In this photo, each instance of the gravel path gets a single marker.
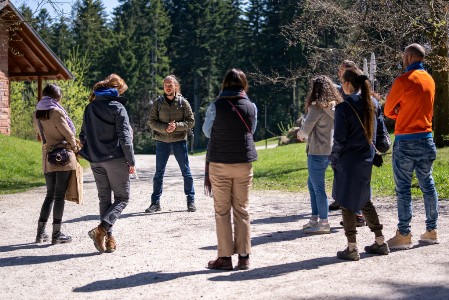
(164, 255)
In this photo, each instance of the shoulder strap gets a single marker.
(42, 131)
(364, 129)
(159, 103)
(238, 113)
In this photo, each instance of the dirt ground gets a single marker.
(164, 255)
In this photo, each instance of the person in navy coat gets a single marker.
(352, 161)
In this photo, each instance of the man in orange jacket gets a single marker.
(410, 103)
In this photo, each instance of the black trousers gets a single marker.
(57, 183)
(350, 221)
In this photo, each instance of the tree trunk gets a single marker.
(196, 103)
(441, 76)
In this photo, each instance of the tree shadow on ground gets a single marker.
(407, 291)
(134, 281)
(10, 248)
(33, 260)
(156, 277)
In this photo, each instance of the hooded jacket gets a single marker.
(106, 133)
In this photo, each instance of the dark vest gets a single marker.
(230, 141)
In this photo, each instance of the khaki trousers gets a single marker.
(230, 187)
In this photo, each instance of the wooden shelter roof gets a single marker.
(30, 58)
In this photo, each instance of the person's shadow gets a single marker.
(10, 248)
(33, 260)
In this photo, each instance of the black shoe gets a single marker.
(376, 249)
(60, 238)
(191, 207)
(334, 206)
(153, 208)
(360, 221)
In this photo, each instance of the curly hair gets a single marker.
(322, 92)
(112, 81)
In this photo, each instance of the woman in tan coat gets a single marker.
(54, 126)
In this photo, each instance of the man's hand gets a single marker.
(171, 127)
(396, 109)
(132, 169)
(300, 138)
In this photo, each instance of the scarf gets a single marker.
(48, 103)
(106, 91)
(415, 66)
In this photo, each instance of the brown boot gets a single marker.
(110, 244)
(221, 263)
(243, 263)
(98, 235)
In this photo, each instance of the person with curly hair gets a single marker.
(318, 128)
(106, 136)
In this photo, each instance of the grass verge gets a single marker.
(285, 168)
(21, 165)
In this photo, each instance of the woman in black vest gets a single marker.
(230, 123)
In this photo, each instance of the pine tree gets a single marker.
(62, 40)
(92, 36)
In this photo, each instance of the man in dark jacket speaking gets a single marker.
(171, 117)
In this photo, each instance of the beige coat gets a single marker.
(56, 130)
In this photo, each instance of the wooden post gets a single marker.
(39, 88)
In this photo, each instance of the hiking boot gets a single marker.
(360, 221)
(58, 237)
(41, 235)
(349, 255)
(191, 207)
(334, 206)
(243, 263)
(319, 228)
(400, 242)
(309, 225)
(221, 263)
(98, 235)
(430, 237)
(153, 208)
(376, 249)
(110, 244)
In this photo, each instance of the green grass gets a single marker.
(285, 168)
(20, 165)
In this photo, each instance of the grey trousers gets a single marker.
(112, 177)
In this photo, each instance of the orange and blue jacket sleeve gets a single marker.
(394, 99)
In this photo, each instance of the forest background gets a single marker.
(281, 45)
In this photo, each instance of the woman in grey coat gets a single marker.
(319, 127)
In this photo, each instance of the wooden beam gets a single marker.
(33, 74)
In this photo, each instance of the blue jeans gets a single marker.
(317, 165)
(163, 151)
(408, 156)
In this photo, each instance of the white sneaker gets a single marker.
(319, 229)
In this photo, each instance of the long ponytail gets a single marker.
(360, 82)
